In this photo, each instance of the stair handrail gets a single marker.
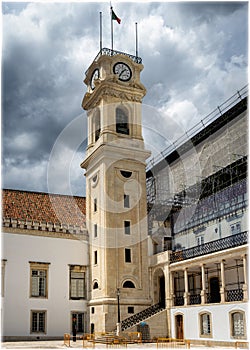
(140, 316)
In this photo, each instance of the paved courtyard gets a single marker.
(58, 344)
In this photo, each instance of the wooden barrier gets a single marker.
(66, 339)
(171, 343)
(135, 337)
(117, 342)
(241, 344)
(88, 337)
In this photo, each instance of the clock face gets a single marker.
(94, 76)
(123, 71)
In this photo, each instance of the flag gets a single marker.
(114, 17)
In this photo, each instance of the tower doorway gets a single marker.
(179, 327)
(159, 287)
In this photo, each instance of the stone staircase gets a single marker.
(141, 316)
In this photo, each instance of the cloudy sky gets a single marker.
(194, 56)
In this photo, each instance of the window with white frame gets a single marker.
(205, 324)
(77, 282)
(237, 322)
(77, 319)
(200, 240)
(39, 279)
(126, 201)
(127, 227)
(235, 228)
(38, 321)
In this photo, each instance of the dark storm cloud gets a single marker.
(194, 56)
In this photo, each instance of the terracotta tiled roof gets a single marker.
(43, 207)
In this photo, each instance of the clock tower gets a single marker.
(116, 206)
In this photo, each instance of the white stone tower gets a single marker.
(116, 209)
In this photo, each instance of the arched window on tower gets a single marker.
(122, 125)
(96, 125)
(128, 284)
(95, 285)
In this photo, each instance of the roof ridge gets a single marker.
(44, 193)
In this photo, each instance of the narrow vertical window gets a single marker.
(127, 255)
(38, 319)
(95, 257)
(95, 230)
(127, 227)
(126, 201)
(96, 126)
(39, 280)
(95, 204)
(77, 282)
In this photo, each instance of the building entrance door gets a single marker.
(179, 327)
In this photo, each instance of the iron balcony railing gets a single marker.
(210, 247)
(234, 295)
(140, 316)
(195, 299)
(108, 52)
(179, 301)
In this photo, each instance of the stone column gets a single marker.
(186, 294)
(245, 285)
(203, 284)
(171, 288)
(222, 289)
(167, 286)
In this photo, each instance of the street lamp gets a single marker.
(118, 311)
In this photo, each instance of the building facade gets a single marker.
(44, 265)
(199, 230)
(165, 244)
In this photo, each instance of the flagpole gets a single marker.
(111, 28)
(100, 31)
(136, 40)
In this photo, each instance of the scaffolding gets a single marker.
(162, 204)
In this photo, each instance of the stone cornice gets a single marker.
(44, 229)
(113, 88)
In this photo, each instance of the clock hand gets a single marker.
(122, 72)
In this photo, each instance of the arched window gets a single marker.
(237, 322)
(95, 285)
(128, 284)
(122, 126)
(96, 125)
(205, 324)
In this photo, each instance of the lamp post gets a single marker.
(118, 312)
